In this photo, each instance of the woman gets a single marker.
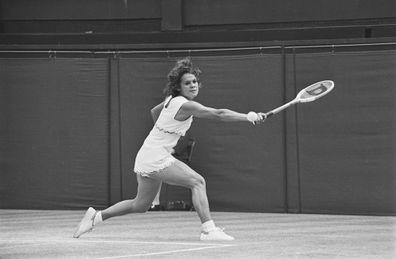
(154, 162)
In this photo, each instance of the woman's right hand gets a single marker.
(256, 118)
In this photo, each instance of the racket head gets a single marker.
(315, 91)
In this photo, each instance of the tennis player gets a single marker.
(154, 162)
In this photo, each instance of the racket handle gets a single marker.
(269, 114)
(281, 108)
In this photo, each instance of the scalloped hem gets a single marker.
(162, 167)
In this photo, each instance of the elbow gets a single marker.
(213, 114)
(221, 114)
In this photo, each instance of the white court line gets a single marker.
(18, 246)
(34, 242)
(75, 240)
(142, 242)
(41, 242)
(167, 252)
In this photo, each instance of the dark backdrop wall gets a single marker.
(54, 132)
(234, 158)
(346, 143)
(72, 126)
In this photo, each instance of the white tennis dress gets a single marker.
(156, 151)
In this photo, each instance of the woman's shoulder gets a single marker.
(175, 101)
(180, 99)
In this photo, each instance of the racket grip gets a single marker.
(269, 114)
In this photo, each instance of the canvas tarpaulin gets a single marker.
(71, 127)
(54, 133)
(347, 158)
(243, 164)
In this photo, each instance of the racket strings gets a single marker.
(318, 90)
(315, 91)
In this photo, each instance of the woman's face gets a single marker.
(189, 86)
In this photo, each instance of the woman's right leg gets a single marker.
(182, 175)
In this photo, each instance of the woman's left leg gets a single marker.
(146, 192)
(147, 189)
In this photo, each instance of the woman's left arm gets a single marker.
(155, 112)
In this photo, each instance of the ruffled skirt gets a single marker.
(150, 160)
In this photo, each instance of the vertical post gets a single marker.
(297, 138)
(1, 20)
(285, 144)
(109, 132)
(291, 135)
(117, 61)
(115, 168)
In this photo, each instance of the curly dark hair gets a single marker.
(182, 66)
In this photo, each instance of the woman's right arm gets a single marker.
(198, 110)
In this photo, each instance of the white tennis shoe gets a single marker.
(86, 224)
(215, 235)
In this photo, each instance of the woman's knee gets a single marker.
(139, 206)
(198, 182)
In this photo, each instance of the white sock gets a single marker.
(208, 226)
(98, 218)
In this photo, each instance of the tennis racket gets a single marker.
(308, 94)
